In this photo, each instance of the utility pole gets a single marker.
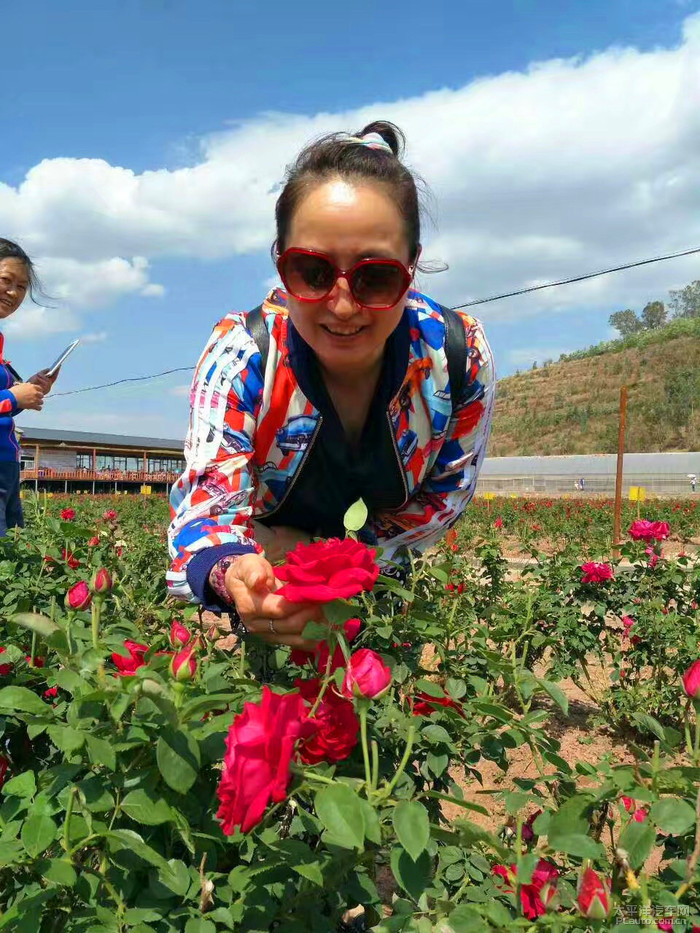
(618, 479)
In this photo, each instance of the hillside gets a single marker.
(571, 407)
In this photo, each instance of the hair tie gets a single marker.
(372, 141)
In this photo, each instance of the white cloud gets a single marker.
(33, 321)
(181, 391)
(566, 167)
(98, 337)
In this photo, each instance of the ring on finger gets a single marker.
(271, 624)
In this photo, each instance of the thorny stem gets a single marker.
(404, 761)
(375, 764)
(365, 748)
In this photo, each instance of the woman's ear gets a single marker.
(414, 264)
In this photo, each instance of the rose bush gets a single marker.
(252, 795)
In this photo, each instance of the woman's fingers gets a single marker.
(293, 624)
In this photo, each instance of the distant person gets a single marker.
(693, 481)
(17, 278)
(577, 486)
(582, 484)
(342, 385)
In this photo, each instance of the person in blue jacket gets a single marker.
(17, 279)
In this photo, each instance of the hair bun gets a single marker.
(389, 132)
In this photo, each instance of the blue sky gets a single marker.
(556, 137)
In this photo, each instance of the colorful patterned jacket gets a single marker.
(250, 435)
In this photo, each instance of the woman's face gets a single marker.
(348, 221)
(14, 282)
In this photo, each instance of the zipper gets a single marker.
(300, 468)
(398, 458)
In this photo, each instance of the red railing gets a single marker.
(99, 476)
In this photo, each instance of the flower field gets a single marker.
(406, 775)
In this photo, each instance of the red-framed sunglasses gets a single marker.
(377, 284)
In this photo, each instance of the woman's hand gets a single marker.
(251, 584)
(43, 380)
(28, 395)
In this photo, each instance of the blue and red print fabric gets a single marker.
(9, 448)
(250, 433)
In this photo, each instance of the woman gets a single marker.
(17, 277)
(354, 399)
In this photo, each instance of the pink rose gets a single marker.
(127, 665)
(327, 570)
(691, 681)
(594, 572)
(184, 664)
(79, 596)
(366, 675)
(259, 750)
(179, 635)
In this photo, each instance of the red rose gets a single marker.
(327, 570)
(530, 901)
(70, 559)
(179, 635)
(337, 725)
(644, 530)
(68, 515)
(691, 681)
(594, 896)
(38, 662)
(259, 750)
(425, 705)
(366, 675)
(129, 664)
(109, 515)
(5, 668)
(498, 523)
(93, 542)
(321, 651)
(4, 765)
(596, 573)
(51, 693)
(184, 664)
(101, 581)
(79, 596)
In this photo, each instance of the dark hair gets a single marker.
(10, 250)
(336, 156)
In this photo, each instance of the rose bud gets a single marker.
(93, 542)
(101, 582)
(79, 596)
(593, 898)
(179, 635)
(691, 681)
(184, 664)
(366, 675)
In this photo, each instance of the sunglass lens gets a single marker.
(308, 276)
(378, 284)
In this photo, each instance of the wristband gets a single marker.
(217, 578)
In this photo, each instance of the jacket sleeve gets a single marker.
(449, 486)
(211, 504)
(8, 403)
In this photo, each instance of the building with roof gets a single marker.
(85, 461)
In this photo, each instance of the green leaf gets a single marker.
(119, 839)
(13, 699)
(356, 516)
(145, 807)
(413, 876)
(463, 919)
(637, 840)
(673, 815)
(556, 693)
(568, 829)
(57, 870)
(412, 825)
(66, 738)
(177, 754)
(200, 925)
(101, 752)
(21, 785)
(38, 832)
(35, 623)
(340, 810)
(649, 724)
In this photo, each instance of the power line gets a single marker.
(467, 304)
(577, 278)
